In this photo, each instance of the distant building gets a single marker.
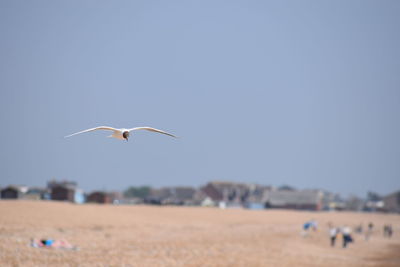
(374, 206)
(118, 198)
(63, 193)
(13, 192)
(392, 202)
(99, 197)
(158, 196)
(303, 200)
(55, 183)
(257, 197)
(286, 188)
(172, 196)
(181, 196)
(129, 201)
(354, 203)
(332, 201)
(211, 192)
(36, 193)
(227, 194)
(202, 199)
(234, 195)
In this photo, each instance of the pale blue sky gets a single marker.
(305, 93)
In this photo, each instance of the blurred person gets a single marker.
(387, 231)
(314, 225)
(309, 225)
(346, 233)
(306, 227)
(369, 230)
(333, 232)
(390, 230)
(51, 243)
(359, 229)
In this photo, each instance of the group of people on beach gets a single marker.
(345, 231)
(333, 232)
(347, 236)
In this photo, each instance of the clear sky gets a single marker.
(305, 93)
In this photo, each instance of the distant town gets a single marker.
(220, 194)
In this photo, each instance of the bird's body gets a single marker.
(122, 133)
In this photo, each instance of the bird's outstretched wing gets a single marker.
(95, 129)
(151, 129)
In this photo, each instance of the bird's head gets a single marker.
(125, 135)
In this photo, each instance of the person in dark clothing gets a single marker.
(346, 232)
(387, 231)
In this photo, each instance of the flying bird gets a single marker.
(122, 134)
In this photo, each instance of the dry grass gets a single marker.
(185, 236)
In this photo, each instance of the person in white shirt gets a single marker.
(333, 232)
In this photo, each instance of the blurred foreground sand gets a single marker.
(186, 236)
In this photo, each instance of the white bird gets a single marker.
(122, 134)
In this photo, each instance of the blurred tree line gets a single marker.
(137, 191)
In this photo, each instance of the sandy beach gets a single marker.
(108, 235)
